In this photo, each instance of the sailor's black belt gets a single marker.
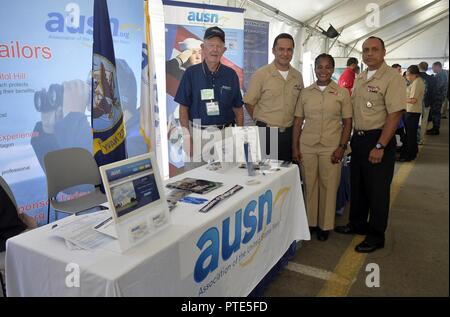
(366, 132)
(280, 129)
(217, 126)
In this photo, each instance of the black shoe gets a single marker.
(312, 229)
(349, 229)
(367, 247)
(322, 235)
(402, 159)
(433, 132)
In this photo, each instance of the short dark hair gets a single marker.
(423, 65)
(283, 36)
(323, 55)
(437, 64)
(413, 69)
(352, 60)
(396, 66)
(377, 38)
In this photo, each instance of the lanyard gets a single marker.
(212, 73)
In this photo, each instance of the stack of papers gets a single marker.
(78, 231)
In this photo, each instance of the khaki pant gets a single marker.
(424, 124)
(321, 179)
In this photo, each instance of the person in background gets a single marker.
(427, 100)
(414, 98)
(440, 92)
(398, 68)
(347, 78)
(320, 145)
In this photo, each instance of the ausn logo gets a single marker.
(203, 17)
(57, 23)
(247, 223)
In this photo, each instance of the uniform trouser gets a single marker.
(370, 186)
(321, 178)
(435, 114)
(444, 108)
(284, 142)
(410, 149)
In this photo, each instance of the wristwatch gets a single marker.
(343, 146)
(379, 146)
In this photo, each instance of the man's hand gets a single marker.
(75, 96)
(184, 56)
(296, 154)
(376, 155)
(337, 155)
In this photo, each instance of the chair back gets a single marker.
(8, 191)
(70, 167)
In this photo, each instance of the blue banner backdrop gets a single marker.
(45, 65)
(256, 44)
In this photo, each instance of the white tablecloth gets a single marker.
(192, 257)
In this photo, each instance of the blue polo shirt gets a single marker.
(226, 87)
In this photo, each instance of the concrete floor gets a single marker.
(415, 260)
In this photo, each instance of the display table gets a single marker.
(224, 252)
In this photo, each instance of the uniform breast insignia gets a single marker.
(369, 104)
(373, 89)
(334, 93)
(298, 87)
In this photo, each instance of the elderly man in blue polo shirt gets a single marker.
(210, 99)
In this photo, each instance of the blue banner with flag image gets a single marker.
(107, 116)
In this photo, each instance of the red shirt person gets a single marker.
(347, 78)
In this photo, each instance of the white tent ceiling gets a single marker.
(421, 26)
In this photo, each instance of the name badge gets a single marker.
(212, 108)
(207, 94)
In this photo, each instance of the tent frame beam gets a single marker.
(395, 21)
(415, 34)
(362, 17)
(424, 25)
(288, 17)
(326, 11)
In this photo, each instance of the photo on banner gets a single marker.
(45, 69)
(185, 27)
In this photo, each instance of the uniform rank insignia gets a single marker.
(373, 88)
